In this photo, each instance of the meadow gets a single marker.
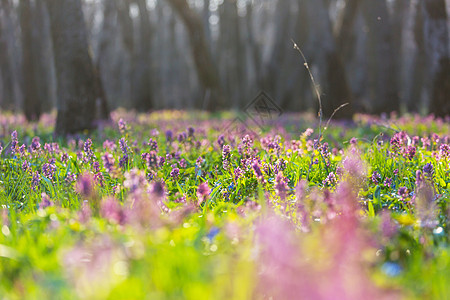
(176, 205)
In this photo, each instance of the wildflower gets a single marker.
(388, 182)
(237, 173)
(153, 144)
(331, 180)
(122, 126)
(411, 152)
(175, 173)
(281, 186)
(183, 163)
(403, 192)
(191, 131)
(25, 166)
(108, 162)
(428, 169)
(123, 145)
(221, 140)
(134, 180)
(444, 151)
(376, 177)
(182, 137)
(48, 170)
(161, 161)
(123, 161)
(35, 181)
(257, 170)
(85, 185)
(14, 141)
(45, 202)
(96, 167)
(87, 148)
(35, 144)
(157, 189)
(199, 161)
(169, 135)
(203, 191)
(98, 177)
(112, 211)
(70, 177)
(64, 157)
(353, 141)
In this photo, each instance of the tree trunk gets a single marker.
(7, 96)
(9, 58)
(380, 55)
(436, 37)
(31, 101)
(206, 69)
(332, 74)
(78, 90)
(142, 83)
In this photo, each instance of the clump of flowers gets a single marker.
(203, 191)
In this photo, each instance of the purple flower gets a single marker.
(96, 167)
(48, 170)
(122, 126)
(112, 211)
(123, 145)
(331, 180)
(169, 135)
(123, 161)
(35, 181)
(88, 152)
(411, 152)
(182, 137)
(403, 192)
(153, 144)
(175, 173)
(183, 163)
(14, 141)
(35, 144)
(64, 157)
(45, 202)
(108, 162)
(221, 140)
(98, 177)
(237, 173)
(157, 189)
(376, 177)
(25, 166)
(257, 170)
(388, 182)
(191, 131)
(199, 161)
(281, 186)
(85, 185)
(428, 169)
(203, 191)
(444, 151)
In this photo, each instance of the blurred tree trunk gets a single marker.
(43, 56)
(78, 90)
(383, 83)
(345, 36)
(141, 87)
(31, 101)
(231, 53)
(418, 65)
(7, 96)
(206, 68)
(399, 22)
(335, 88)
(9, 59)
(436, 38)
